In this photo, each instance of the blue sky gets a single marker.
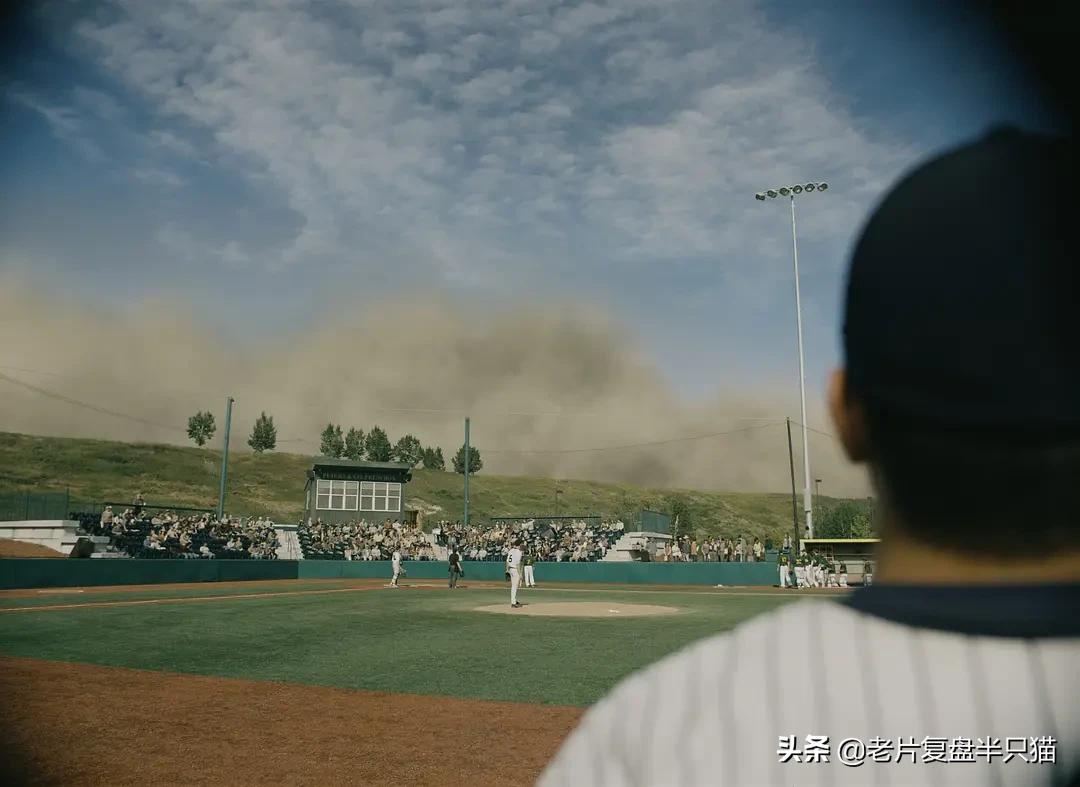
(268, 161)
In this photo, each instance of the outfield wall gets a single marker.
(60, 572)
(629, 573)
(51, 572)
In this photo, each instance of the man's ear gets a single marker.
(848, 418)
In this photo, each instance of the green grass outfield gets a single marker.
(420, 640)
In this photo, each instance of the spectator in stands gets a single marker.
(759, 550)
(138, 503)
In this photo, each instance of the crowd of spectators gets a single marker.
(713, 550)
(545, 540)
(166, 534)
(362, 540)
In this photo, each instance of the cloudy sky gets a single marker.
(265, 163)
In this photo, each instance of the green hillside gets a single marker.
(273, 484)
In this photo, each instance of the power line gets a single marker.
(629, 445)
(87, 405)
(125, 416)
(817, 431)
(28, 371)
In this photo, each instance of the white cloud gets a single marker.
(158, 177)
(390, 127)
(65, 122)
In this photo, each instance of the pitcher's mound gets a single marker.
(581, 609)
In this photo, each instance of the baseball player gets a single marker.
(530, 576)
(784, 571)
(455, 567)
(867, 573)
(960, 639)
(395, 563)
(800, 571)
(513, 569)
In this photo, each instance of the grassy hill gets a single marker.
(273, 484)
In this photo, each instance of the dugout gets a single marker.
(343, 490)
(852, 552)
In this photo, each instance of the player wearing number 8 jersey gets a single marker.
(961, 373)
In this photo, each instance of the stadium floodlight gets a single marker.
(760, 195)
(791, 192)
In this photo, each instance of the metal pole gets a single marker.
(225, 457)
(807, 502)
(466, 472)
(794, 504)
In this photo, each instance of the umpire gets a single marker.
(960, 392)
(455, 567)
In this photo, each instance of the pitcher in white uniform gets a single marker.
(513, 568)
(395, 563)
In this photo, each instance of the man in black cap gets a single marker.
(961, 393)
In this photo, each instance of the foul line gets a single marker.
(271, 594)
(182, 599)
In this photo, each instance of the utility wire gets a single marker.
(629, 445)
(125, 416)
(86, 405)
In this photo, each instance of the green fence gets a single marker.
(57, 572)
(655, 522)
(616, 573)
(16, 506)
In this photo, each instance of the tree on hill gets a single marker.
(433, 459)
(332, 443)
(377, 445)
(354, 443)
(201, 427)
(844, 519)
(682, 521)
(263, 434)
(475, 462)
(408, 451)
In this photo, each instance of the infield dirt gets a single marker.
(82, 724)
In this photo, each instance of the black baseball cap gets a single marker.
(963, 297)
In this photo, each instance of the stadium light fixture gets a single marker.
(760, 195)
(791, 192)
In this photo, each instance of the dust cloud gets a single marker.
(532, 379)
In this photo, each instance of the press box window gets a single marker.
(337, 495)
(380, 496)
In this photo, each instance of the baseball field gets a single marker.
(329, 681)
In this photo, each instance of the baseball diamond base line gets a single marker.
(79, 724)
(581, 609)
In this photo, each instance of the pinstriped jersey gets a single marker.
(717, 713)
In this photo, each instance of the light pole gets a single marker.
(817, 493)
(225, 458)
(791, 192)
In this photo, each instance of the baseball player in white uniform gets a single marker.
(960, 665)
(513, 568)
(395, 562)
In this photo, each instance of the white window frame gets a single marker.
(333, 495)
(380, 496)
